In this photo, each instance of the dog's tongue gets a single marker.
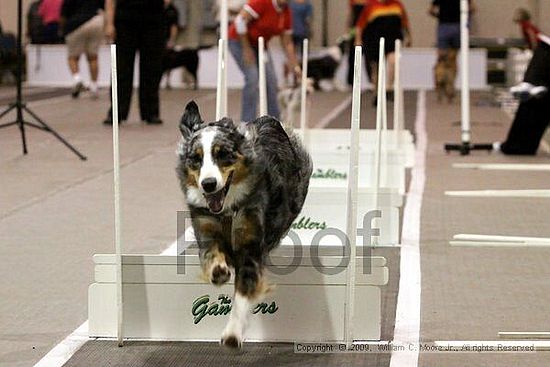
(215, 201)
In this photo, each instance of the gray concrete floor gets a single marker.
(56, 212)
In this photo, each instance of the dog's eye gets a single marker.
(225, 157)
(194, 161)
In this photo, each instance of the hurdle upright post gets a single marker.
(465, 147)
(303, 106)
(351, 205)
(219, 82)
(398, 96)
(116, 176)
(381, 97)
(262, 78)
(465, 72)
(224, 30)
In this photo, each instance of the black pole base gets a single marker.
(467, 148)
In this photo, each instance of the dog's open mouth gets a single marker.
(216, 200)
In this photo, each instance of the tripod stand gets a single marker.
(20, 106)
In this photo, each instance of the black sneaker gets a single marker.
(79, 87)
(390, 96)
(155, 120)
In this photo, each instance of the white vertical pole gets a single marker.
(303, 107)
(383, 179)
(116, 174)
(397, 104)
(465, 70)
(224, 25)
(262, 80)
(351, 205)
(379, 121)
(219, 81)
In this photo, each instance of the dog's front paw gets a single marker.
(232, 336)
(231, 341)
(220, 274)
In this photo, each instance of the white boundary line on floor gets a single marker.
(504, 166)
(500, 193)
(334, 113)
(407, 316)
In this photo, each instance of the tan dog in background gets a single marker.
(445, 75)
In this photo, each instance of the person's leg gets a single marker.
(272, 89)
(94, 71)
(538, 71)
(95, 37)
(249, 99)
(126, 42)
(150, 72)
(528, 128)
(75, 49)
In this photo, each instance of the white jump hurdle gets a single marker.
(163, 302)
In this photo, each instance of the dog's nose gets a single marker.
(209, 184)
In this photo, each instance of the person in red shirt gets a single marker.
(529, 30)
(50, 11)
(382, 18)
(268, 19)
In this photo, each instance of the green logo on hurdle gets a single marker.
(203, 307)
(307, 223)
(329, 174)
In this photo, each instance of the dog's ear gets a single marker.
(227, 123)
(191, 120)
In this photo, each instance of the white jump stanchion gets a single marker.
(116, 175)
(465, 72)
(224, 25)
(351, 205)
(303, 106)
(219, 82)
(398, 96)
(379, 126)
(465, 147)
(262, 78)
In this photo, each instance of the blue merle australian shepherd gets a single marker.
(244, 183)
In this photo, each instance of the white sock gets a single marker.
(93, 87)
(76, 78)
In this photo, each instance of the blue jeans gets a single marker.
(250, 93)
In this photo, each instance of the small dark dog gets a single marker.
(323, 69)
(187, 58)
(244, 184)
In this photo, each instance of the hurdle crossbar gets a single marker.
(524, 335)
(116, 177)
(481, 237)
(351, 205)
(501, 193)
(504, 166)
(262, 77)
